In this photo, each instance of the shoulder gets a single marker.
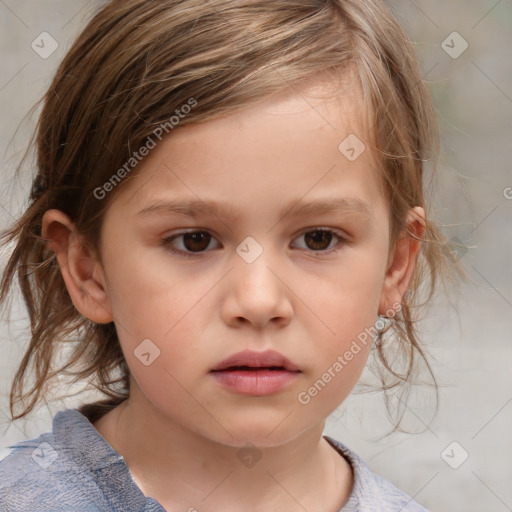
(45, 473)
(372, 492)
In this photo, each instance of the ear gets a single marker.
(81, 271)
(402, 262)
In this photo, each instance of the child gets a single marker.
(286, 139)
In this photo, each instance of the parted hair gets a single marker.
(128, 71)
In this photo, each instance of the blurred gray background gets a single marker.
(460, 459)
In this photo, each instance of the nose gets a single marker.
(257, 294)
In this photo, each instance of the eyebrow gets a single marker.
(195, 208)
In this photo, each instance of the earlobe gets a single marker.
(82, 273)
(403, 262)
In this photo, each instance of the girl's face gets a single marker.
(257, 188)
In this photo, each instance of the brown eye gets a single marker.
(321, 241)
(318, 240)
(196, 241)
(189, 243)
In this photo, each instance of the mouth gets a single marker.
(251, 368)
(251, 360)
(255, 373)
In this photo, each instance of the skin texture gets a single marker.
(180, 432)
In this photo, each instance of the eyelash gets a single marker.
(167, 242)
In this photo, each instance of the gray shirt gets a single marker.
(73, 469)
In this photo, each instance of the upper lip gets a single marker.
(254, 359)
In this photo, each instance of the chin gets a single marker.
(260, 429)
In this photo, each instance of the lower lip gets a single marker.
(255, 382)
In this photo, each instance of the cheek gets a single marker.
(161, 352)
(157, 312)
(337, 362)
(149, 295)
(342, 332)
(347, 298)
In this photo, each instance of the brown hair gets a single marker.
(135, 63)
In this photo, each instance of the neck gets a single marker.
(186, 471)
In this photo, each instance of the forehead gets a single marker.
(288, 142)
(324, 99)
